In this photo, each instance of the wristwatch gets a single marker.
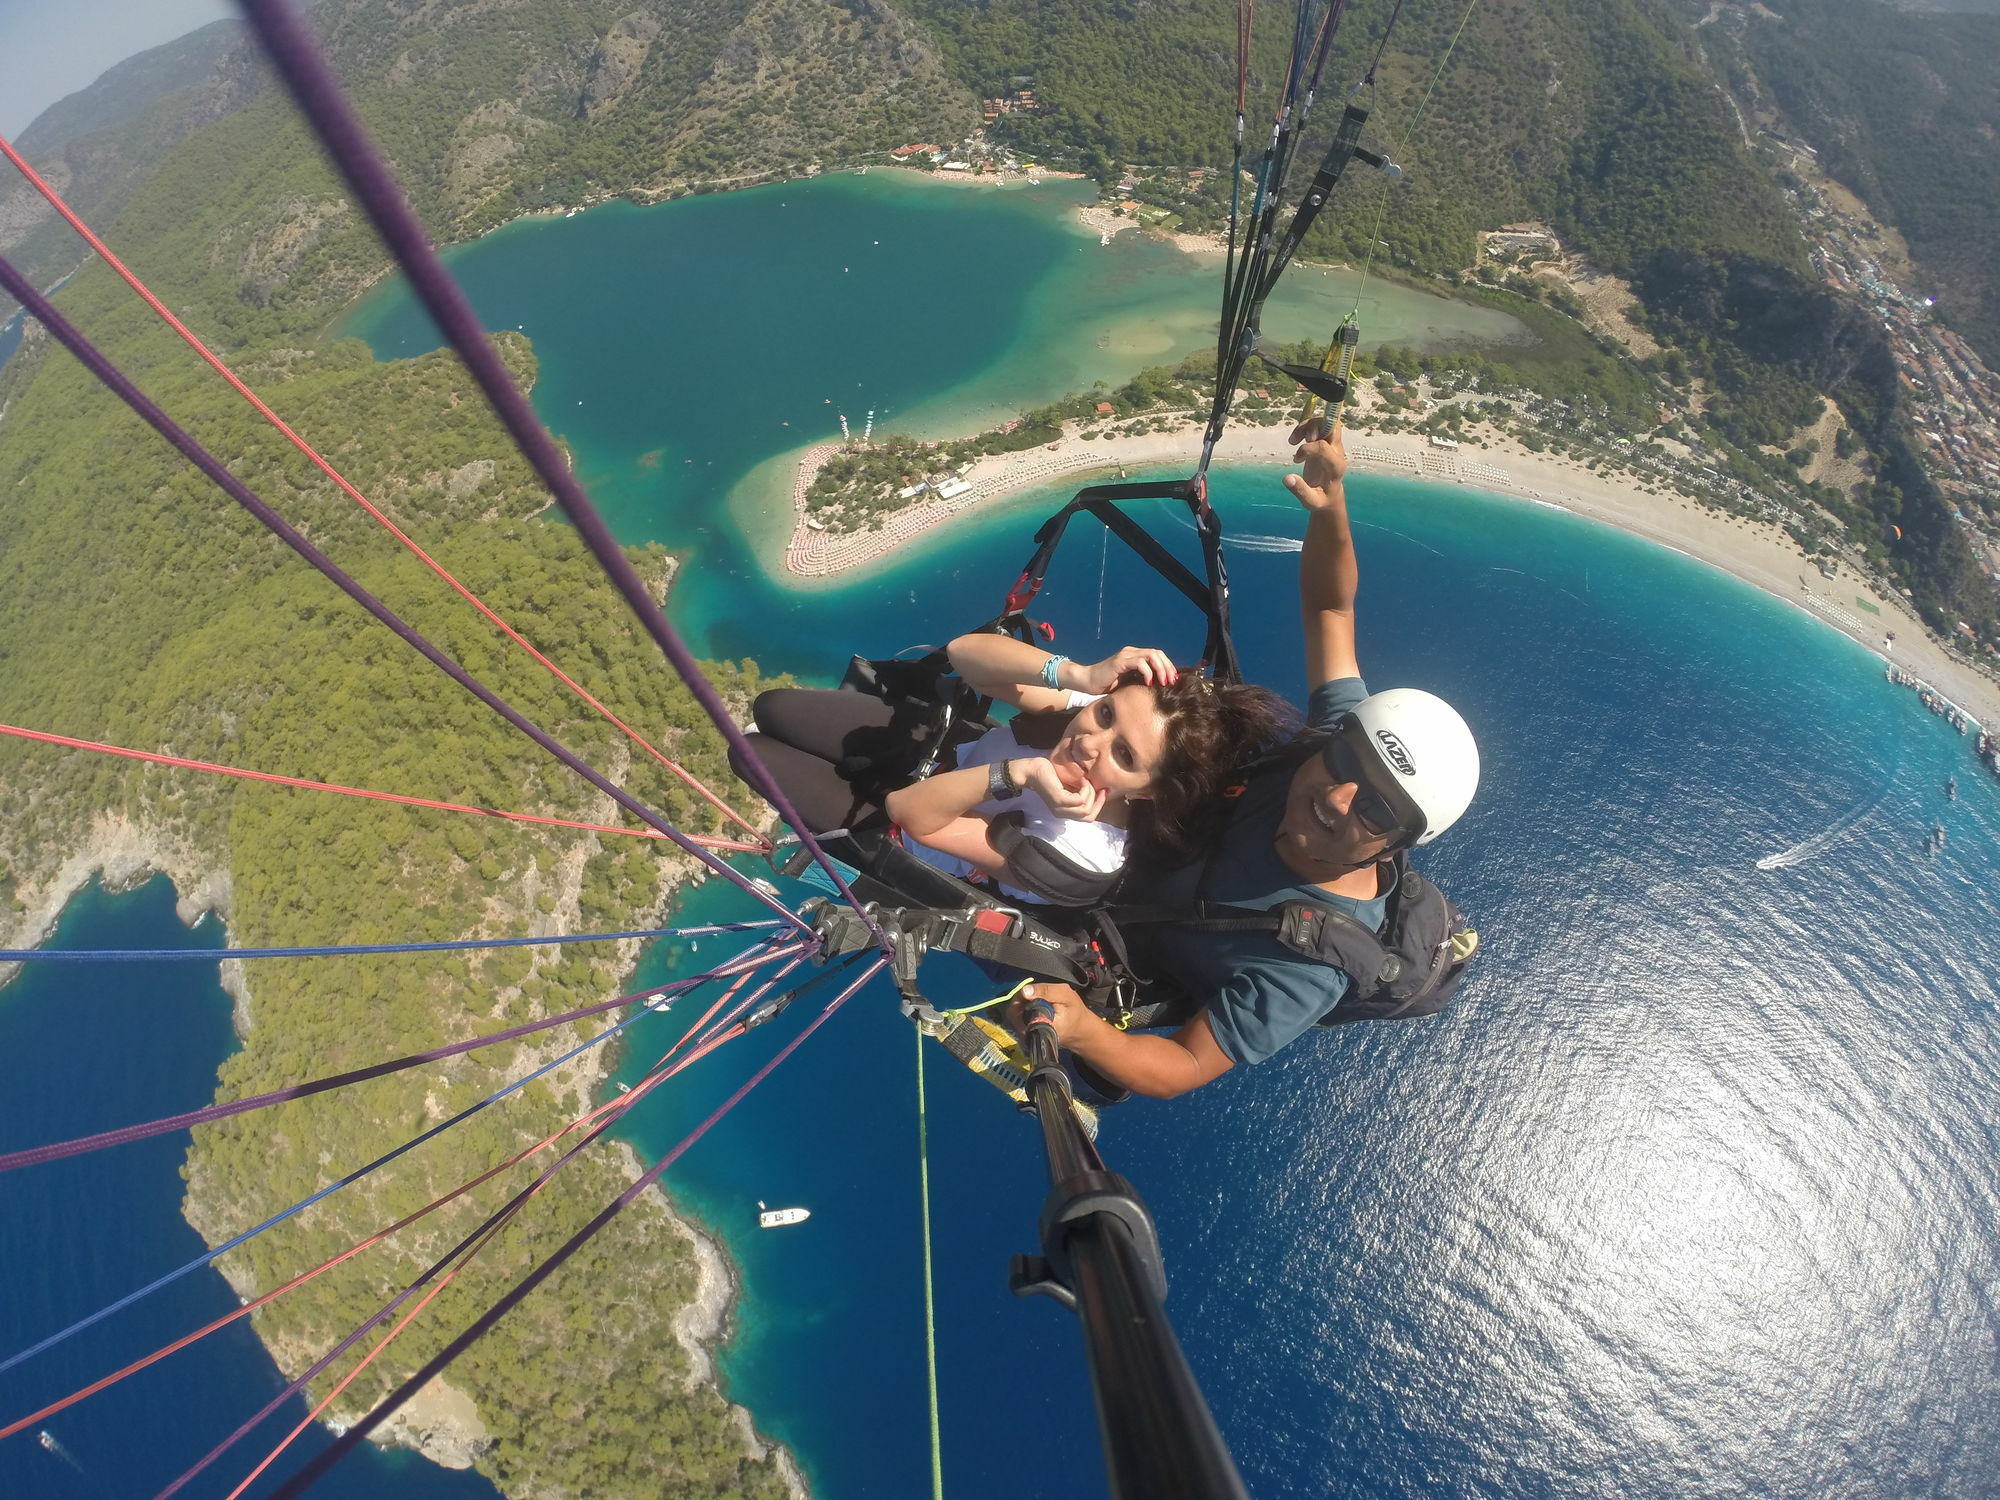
(999, 785)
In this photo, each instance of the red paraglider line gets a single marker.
(356, 791)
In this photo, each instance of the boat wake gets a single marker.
(1820, 842)
(1401, 536)
(1255, 543)
(1252, 542)
(48, 1441)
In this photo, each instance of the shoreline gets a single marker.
(442, 1423)
(1486, 461)
(122, 855)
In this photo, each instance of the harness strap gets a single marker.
(997, 934)
(1203, 916)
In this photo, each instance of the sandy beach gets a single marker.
(1756, 552)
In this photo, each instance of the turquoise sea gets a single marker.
(1690, 1195)
(87, 1047)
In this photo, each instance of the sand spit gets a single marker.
(1757, 552)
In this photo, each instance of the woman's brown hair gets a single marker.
(1211, 728)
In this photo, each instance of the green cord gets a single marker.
(1409, 140)
(930, 1302)
(966, 1010)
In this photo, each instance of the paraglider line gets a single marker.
(82, 1145)
(55, 201)
(251, 1306)
(279, 27)
(394, 1401)
(93, 359)
(212, 955)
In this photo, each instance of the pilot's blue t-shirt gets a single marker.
(1260, 995)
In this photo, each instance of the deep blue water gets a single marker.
(1691, 1194)
(85, 1047)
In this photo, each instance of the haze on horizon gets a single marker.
(49, 51)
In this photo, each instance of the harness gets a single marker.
(1409, 966)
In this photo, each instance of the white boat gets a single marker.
(778, 1218)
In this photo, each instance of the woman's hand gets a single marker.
(1149, 665)
(1323, 454)
(1071, 796)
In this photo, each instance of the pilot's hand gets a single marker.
(1323, 454)
(1072, 1015)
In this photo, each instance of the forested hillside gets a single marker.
(1595, 113)
(97, 146)
(139, 606)
(1904, 110)
(1606, 119)
(488, 110)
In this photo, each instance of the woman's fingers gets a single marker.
(1046, 777)
(1148, 663)
(1067, 791)
(1152, 665)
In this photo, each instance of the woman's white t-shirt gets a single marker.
(1095, 846)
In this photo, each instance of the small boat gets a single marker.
(778, 1218)
(47, 1439)
(1951, 788)
(624, 1088)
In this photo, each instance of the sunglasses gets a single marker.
(1370, 808)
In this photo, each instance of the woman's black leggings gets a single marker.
(832, 751)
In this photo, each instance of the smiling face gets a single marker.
(1116, 742)
(1320, 837)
